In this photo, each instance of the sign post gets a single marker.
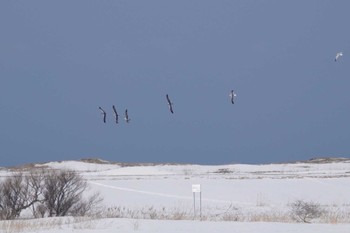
(196, 188)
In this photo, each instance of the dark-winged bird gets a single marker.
(104, 114)
(115, 114)
(127, 119)
(169, 103)
(232, 96)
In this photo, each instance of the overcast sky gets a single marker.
(61, 60)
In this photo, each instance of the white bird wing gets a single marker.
(338, 55)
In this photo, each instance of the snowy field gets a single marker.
(234, 198)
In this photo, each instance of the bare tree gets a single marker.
(47, 193)
(17, 193)
(62, 190)
(305, 211)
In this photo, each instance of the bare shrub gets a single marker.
(17, 193)
(62, 191)
(303, 211)
(47, 193)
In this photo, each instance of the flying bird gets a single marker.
(127, 119)
(232, 96)
(115, 114)
(104, 114)
(169, 103)
(338, 55)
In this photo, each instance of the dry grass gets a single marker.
(147, 213)
(332, 215)
(26, 225)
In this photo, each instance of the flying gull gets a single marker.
(104, 114)
(127, 119)
(115, 114)
(232, 96)
(338, 55)
(169, 103)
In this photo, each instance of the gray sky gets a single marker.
(61, 60)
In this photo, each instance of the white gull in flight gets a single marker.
(338, 55)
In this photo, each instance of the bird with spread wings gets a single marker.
(170, 104)
(103, 112)
(338, 55)
(115, 114)
(232, 96)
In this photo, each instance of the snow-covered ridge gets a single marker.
(321, 167)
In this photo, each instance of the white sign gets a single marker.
(196, 188)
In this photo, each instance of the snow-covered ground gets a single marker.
(166, 226)
(234, 198)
